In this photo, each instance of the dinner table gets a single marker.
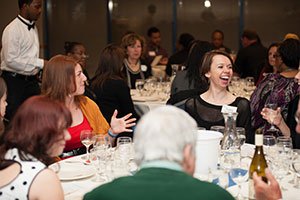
(76, 176)
(144, 102)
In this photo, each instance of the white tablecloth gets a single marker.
(75, 189)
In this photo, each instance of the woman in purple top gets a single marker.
(280, 88)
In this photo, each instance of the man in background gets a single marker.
(165, 143)
(217, 40)
(153, 48)
(20, 62)
(251, 58)
(181, 55)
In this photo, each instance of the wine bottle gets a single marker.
(258, 164)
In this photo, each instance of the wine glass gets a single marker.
(139, 85)
(100, 141)
(249, 85)
(281, 163)
(87, 139)
(271, 114)
(98, 158)
(240, 131)
(239, 175)
(222, 175)
(269, 142)
(294, 168)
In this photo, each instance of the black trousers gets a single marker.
(18, 90)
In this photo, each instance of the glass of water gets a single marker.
(241, 134)
(139, 85)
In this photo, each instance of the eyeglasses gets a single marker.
(276, 55)
(297, 117)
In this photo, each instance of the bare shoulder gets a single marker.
(46, 186)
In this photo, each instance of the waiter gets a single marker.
(20, 62)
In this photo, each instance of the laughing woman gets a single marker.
(206, 108)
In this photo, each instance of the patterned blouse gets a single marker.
(274, 88)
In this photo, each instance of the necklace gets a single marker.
(132, 64)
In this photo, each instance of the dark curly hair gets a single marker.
(289, 51)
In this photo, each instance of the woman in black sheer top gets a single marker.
(206, 108)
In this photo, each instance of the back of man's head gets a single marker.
(152, 30)
(250, 34)
(21, 2)
(163, 133)
(185, 39)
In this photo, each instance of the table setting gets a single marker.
(149, 94)
(242, 87)
(80, 174)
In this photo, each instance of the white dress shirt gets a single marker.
(20, 49)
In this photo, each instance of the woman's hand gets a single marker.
(119, 125)
(264, 191)
(277, 119)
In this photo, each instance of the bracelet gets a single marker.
(110, 134)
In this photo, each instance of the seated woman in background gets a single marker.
(109, 84)
(77, 51)
(270, 65)
(63, 81)
(3, 104)
(134, 67)
(280, 88)
(190, 78)
(37, 134)
(206, 108)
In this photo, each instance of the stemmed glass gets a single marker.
(98, 159)
(240, 131)
(249, 85)
(122, 156)
(139, 85)
(239, 175)
(269, 143)
(295, 168)
(271, 114)
(281, 163)
(87, 139)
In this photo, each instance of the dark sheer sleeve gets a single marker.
(291, 122)
(244, 119)
(124, 98)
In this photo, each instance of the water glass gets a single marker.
(220, 129)
(241, 134)
(98, 159)
(239, 176)
(139, 85)
(269, 144)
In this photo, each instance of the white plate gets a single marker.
(74, 170)
(145, 98)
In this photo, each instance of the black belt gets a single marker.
(74, 152)
(20, 76)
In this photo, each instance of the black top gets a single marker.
(250, 60)
(143, 73)
(114, 95)
(291, 122)
(177, 58)
(207, 115)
